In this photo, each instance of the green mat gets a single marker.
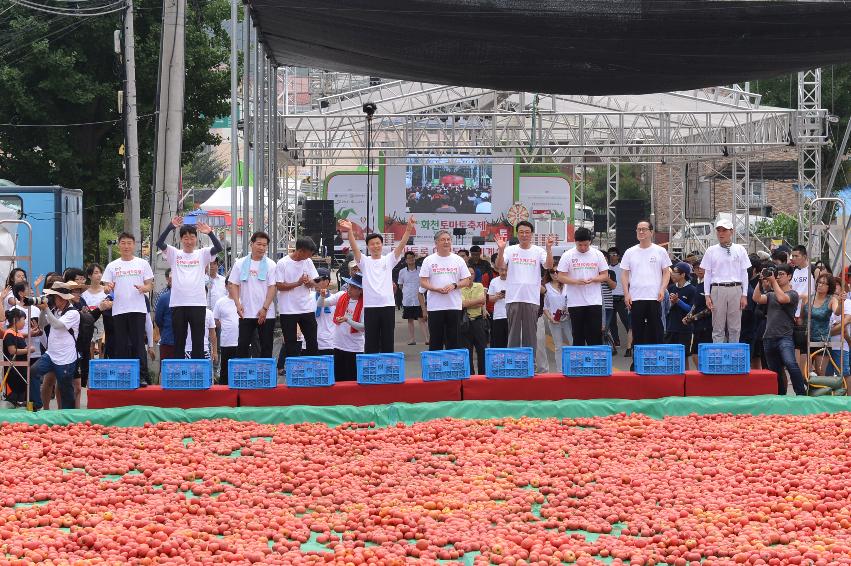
(387, 415)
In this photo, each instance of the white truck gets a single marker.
(697, 236)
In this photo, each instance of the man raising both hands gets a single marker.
(379, 304)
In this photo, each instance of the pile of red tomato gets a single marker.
(717, 489)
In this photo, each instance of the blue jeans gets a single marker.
(779, 353)
(845, 369)
(64, 381)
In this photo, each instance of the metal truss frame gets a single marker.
(613, 175)
(811, 135)
(676, 197)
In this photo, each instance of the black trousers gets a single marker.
(194, 317)
(307, 322)
(265, 331)
(443, 329)
(345, 366)
(379, 326)
(499, 333)
(622, 314)
(587, 324)
(129, 340)
(227, 353)
(646, 322)
(476, 340)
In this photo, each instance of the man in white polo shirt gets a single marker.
(646, 274)
(523, 284)
(726, 265)
(379, 302)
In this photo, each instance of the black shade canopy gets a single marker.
(566, 47)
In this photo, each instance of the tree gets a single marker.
(62, 70)
(631, 185)
(203, 171)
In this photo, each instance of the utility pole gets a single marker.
(234, 134)
(171, 83)
(132, 210)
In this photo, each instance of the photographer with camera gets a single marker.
(775, 290)
(61, 355)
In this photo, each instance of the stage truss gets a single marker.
(674, 129)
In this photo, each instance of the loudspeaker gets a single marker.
(627, 214)
(311, 205)
(478, 241)
(600, 221)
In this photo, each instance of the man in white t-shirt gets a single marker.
(188, 301)
(252, 287)
(582, 270)
(646, 274)
(227, 324)
(443, 274)
(128, 279)
(215, 283)
(726, 266)
(409, 281)
(379, 303)
(523, 284)
(295, 277)
(61, 356)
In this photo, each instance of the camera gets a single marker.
(768, 272)
(35, 301)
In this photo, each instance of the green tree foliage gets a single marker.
(62, 70)
(203, 171)
(632, 184)
(780, 227)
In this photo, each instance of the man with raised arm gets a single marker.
(188, 265)
(379, 304)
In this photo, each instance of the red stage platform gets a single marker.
(553, 386)
(156, 396)
(414, 390)
(757, 382)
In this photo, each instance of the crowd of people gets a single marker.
(517, 298)
(449, 198)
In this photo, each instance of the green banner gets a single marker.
(388, 415)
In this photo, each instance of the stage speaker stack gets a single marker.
(627, 215)
(320, 224)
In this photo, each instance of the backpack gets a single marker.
(84, 334)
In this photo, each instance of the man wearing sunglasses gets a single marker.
(726, 281)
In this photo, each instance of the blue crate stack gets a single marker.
(445, 365)
(659, 359)
(253, 373)
(507, 363)
(186, 374)
(586, 361)
(114, 374)
(381, 368)
(724, 358)
(310, 371)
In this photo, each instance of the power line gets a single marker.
(100, 10)
(10, 125)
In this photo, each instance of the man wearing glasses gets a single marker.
(646, 274)
(726, 265)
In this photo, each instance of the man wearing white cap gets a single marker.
(726, 265)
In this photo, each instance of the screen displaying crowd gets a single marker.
(459, 185)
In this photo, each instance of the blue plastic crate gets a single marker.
(509, 362)
(253, 373)
(586, 361)
(446, 365)
(114, 374)
(659, 359)
(724, 358)
(381, 368)
(310, 371)
(186, 374)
